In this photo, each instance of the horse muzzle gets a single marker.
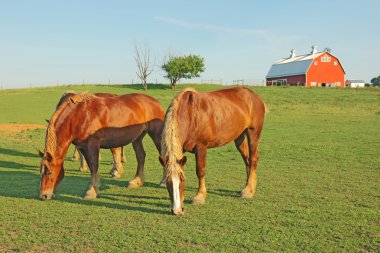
(46, 196)
(178, 211)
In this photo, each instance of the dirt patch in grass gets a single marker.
(16, 128)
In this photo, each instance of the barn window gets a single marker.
(325, 58)
(335, 63)
(315, 63)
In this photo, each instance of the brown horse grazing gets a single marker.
(117, 154)
(197, 121)
(91, 123)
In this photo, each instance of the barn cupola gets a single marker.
(328, 50)
(292, 53)
(314, 49)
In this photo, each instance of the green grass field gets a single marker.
(318, 183)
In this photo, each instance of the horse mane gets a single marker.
(171, 146)
(51, 136)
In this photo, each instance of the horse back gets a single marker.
(218, 117)
(114, 112)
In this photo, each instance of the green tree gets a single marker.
(375, 81)
(187, 67)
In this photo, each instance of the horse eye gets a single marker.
(47, 171)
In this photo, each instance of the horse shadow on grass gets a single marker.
(24, 184)
(14, 165)
(6, 151)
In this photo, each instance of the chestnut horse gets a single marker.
(196, 121)
(117, 153)
(91, 123)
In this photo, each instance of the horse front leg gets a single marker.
(155, 132)
(117, 168)
(200, 156)
(140, 157)
(91, 154)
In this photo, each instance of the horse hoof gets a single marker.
(178, 212)
(137, 182)
(247, 194)
(163, 184)
(81, 169)
(90, 197)
(115, 174)
(90, 194)
(199, 200)
(132, 185)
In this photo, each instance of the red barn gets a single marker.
(312, 70)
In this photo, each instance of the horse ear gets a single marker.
(48, 157)
(183, 161)
(163, 161)
(48, 121)
(40, 153)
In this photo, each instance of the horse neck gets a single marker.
(59, 139)
(63, 143)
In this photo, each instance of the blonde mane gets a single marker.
(171, 146)
(51, 136)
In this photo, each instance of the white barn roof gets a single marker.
(355, 81)
(297, 65)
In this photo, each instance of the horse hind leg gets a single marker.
(75, 156)
(253, 136)
(241, 144)
(117, 168)
(140, 157)
(123, 159)
(83, 164)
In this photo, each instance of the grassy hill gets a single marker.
(318, 182)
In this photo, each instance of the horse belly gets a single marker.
(225, 133)
(224, 138)
(113, 137)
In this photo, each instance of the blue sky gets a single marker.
(65, 42)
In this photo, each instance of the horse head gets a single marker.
(52, 173)
(175, 182)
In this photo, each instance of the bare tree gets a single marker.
(144, 65)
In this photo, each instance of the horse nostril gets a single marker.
(44, 197)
